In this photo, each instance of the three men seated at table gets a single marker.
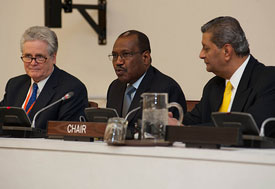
(241, 84)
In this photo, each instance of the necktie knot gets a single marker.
(35, 87)
(130, 89)
(228, 87)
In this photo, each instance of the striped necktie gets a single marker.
(226, 97)
(32, 99)
(127, 99)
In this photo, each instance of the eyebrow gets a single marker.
(123, 51)
(28, 54)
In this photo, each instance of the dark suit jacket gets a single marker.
(255, 95)
(153, 81)
(59, 83)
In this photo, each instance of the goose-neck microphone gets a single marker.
(65, 97)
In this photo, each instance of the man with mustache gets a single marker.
(226, 53)
(131, 57)
(44, 83)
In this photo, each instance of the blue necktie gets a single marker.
(127, 99)
(33, 96)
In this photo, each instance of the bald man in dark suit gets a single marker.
(132, 63)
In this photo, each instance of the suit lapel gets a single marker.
(46, 94)
(120, 96)
(143, 87)
(21, 96)
(115, 98)
(243, 90)
(217, 95)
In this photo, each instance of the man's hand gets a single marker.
(173, 121)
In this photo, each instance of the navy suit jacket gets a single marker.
(59, 83)
(153, 81)
(255, 95)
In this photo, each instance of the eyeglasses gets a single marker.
(38, 59)
(124, 55)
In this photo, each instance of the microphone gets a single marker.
(68, 95)
(65, 97)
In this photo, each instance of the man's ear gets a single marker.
(227, 50)
(54, 58)
(146, 57)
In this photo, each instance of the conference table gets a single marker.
(51, 163)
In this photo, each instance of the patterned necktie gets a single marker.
(32, 98)
(226, 97)
(127, 99)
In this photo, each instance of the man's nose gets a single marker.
(119, 60)
(202, 55)
(34, 61)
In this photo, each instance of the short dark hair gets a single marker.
(227, 30)
(143, 40)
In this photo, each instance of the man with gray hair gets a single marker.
(241, 84)
(44, 83)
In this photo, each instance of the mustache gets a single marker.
(120, 68)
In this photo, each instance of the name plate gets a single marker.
(76, 129)
(204, 137)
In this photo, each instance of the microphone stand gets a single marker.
(33, 121)
(132, 111)
(67, 96)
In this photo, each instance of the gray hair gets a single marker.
(227, 30)
(41, 33)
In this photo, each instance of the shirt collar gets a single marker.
(236, 77)
(137, 83)
(42, 83)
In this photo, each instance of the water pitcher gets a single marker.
(155, 115)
